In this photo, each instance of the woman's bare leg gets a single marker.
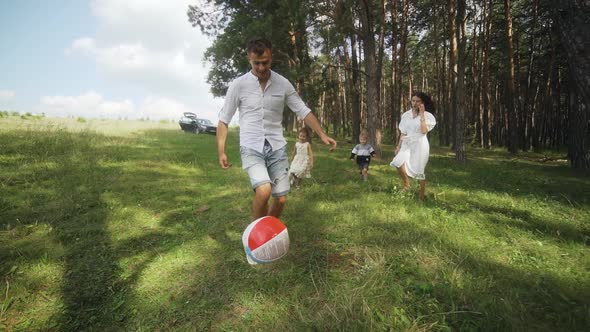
(422, 189)
(404, 176)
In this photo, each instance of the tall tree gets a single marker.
(485, 84)
(453, 69)
(372, 18)
(354, 90)
(459, 96)
(402, 66)
(510, 91)
(574, 25)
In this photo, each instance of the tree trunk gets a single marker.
(373, 59)
(529, 105)
(574, 26)
(510, 91)
(437, 65)
(459, 83)
(395, 111)
(486, 97)
(355, 94)
(402, 72)
(453, 54)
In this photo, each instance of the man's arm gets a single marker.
(221, 137)
(314, 124)
(230, 106)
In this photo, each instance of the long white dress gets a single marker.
(415, 149)
(301, 164)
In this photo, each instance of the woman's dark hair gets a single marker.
(258, 45)
(426, 100)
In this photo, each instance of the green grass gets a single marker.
(115, 225)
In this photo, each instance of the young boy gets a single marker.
(362, 153)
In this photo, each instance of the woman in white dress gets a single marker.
(302, 158)
(413, 149)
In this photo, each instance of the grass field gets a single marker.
(108, 225)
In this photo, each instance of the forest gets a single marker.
(513, 74)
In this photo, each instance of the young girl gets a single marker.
(302, 158)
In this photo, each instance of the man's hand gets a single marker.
(314, 124)
(223, 162)
(329, 141)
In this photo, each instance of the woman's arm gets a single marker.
(423, 127)
(399, 141)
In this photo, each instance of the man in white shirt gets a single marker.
(261, 95)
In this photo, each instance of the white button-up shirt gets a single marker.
(261, 112)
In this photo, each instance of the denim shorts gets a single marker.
(267, 167)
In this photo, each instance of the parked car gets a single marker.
(190, 123)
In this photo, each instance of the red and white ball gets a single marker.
(265, 240)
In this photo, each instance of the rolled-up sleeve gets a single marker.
(294, 101)
(230, 104)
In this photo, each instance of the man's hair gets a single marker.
(258, 45)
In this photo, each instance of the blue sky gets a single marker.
(103, 59)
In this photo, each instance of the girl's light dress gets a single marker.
(415, 149)
(301, 166)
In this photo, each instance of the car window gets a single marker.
(205, 122)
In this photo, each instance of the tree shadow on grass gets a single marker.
(519, 218)
(517, 177)
(66, 196)
(474, 292)
(216, 291)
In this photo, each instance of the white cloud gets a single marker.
(159, 24)
(93, 105)
(162, 108)
(88, 105)
(84, 45)
(6, 95)
(150, 46)
(158, 71)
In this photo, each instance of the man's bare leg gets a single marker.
(260, 203)
(277, 207)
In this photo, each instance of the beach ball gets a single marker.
(265, 240)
